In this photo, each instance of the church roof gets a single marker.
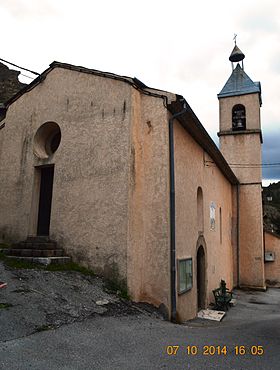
(239, 83)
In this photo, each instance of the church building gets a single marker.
(125, 180)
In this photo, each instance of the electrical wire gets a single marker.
(26, 76)
(247, 165)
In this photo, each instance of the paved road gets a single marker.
(140, 342)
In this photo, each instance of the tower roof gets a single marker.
(239, 83)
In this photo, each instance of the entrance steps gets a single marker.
(37, 249)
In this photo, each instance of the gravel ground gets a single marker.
(124, 335)
(38, 300)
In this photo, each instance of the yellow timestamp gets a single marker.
(211, 350)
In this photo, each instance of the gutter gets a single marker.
(237, 231)
(172, 212)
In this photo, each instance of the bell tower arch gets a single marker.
(240, 139)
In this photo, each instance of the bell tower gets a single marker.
(240, 142)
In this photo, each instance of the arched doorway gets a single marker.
(200, 278)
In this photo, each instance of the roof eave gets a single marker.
(193, 126)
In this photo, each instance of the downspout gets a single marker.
(172, 212)
(238, 233)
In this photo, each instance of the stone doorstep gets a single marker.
(38, 239)
(35, 252)
(211, 315)
(43, 260)
(35, 245)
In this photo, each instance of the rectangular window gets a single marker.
(221, 226)
(184, 275)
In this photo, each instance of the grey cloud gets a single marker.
(271, 153)
(262, 18)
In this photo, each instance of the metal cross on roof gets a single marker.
(234, 38)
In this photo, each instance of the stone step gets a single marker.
(35, 252)
(35, 245)
(43, 260)
(38, 239)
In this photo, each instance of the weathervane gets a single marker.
(234, 38)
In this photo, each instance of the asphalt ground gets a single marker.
(247, 338)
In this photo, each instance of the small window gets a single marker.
(221, 226)
(185, 275)
(200, 217)
(238, 117)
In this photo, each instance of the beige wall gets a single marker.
(191, 173)
(252, 105)
(251, 255)
(148, 246)
(244, 149)
(272, 269)
(90, 195)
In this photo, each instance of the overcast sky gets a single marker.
(180, 46)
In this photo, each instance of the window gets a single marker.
(200, 218)
(238, 117)
(221, 226)
(47, 140)
(185, 275)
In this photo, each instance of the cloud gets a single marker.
(28, 9)
(271, 154)
(260, 18)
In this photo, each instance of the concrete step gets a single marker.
(35, 252)
(35, 245)
(38, 239)
(43, 260)
(38, 249)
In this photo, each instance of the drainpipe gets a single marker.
(172, 212)
(238, 233)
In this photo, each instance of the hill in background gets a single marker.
(9, 83)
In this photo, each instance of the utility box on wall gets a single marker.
(269, 256)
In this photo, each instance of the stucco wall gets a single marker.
(90, 193)
(242, 150)
(251, 255)
(148, 246)
(252, 105)
(192, 172)
(272, 269)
